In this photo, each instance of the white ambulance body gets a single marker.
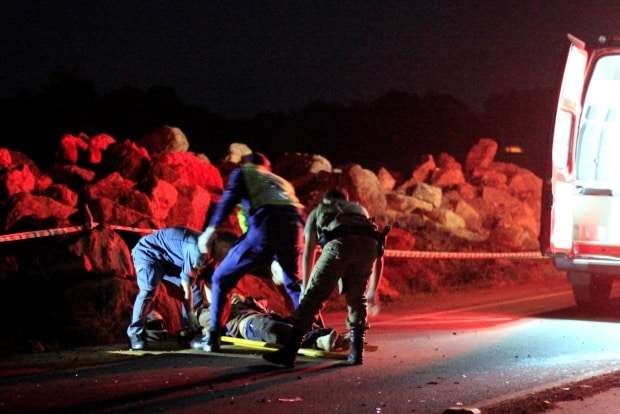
(582, 228)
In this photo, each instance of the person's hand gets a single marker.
(194, 326)
(373, 305)
(205, 239)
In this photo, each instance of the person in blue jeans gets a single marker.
(171, 255)
(275, 232)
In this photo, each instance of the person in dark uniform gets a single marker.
(171, 255)
(274, 233)
(351, 254)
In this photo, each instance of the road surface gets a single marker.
(455, 348)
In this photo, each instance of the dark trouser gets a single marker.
(274, 234)
(349, 258)
(149, 275)
(267, 329)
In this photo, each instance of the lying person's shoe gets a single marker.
(136, 343)
(327, 342)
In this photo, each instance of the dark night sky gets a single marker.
(242, 57)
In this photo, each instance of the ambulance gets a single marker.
(581, 198)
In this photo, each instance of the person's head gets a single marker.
(336, 194)
(218, 249)
(222, 243)
(257, 158)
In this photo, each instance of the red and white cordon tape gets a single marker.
(35, 234)
(398, 254)
(417, 254)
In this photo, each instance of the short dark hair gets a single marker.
(256, 158)
(226, 237)
(336, 194)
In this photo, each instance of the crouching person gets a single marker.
(171, 255)
(352, 250)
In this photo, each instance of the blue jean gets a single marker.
(149, 275)
(273, 235)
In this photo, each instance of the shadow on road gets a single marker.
(223, 384)
(607, 312)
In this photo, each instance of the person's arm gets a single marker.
(206, 292)
(188, 303)
(310, 243)
(375, 278)
(234, 192)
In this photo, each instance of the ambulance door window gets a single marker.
(598, 139)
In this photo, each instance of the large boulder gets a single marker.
(386, 179)
(423, 171)
(236, 151)
(420, 174)
(17, 180)
(500, 200)
(5, 159)
(97, 145)
(19, 158)
(72, 175)
(469, 214)
(165, 139)
(188, 168)
(103, 252)
(406, 204)
(511, 235)
(411, 222)
(428, 193)
(525, 185)
(128, 159)
(513, 218)
(400, 239)
(490, 178)
(467, 191)
(481, 155)
(191, 207)
(364, 186)
(449, 172)
(507, 168)
(113, 186)
(71, 146)
(62, 194)
(447, 219)
(163, 196)
(108, 211)
(122, 191)
(27, 210)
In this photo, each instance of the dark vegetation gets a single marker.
(393, 130)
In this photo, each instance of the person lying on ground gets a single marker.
(251, 319)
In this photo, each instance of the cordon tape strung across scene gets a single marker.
(397, 254)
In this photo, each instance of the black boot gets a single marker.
(286, 355)
(208, 343)
(356, 348)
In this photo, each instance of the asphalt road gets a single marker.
(470, 348)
